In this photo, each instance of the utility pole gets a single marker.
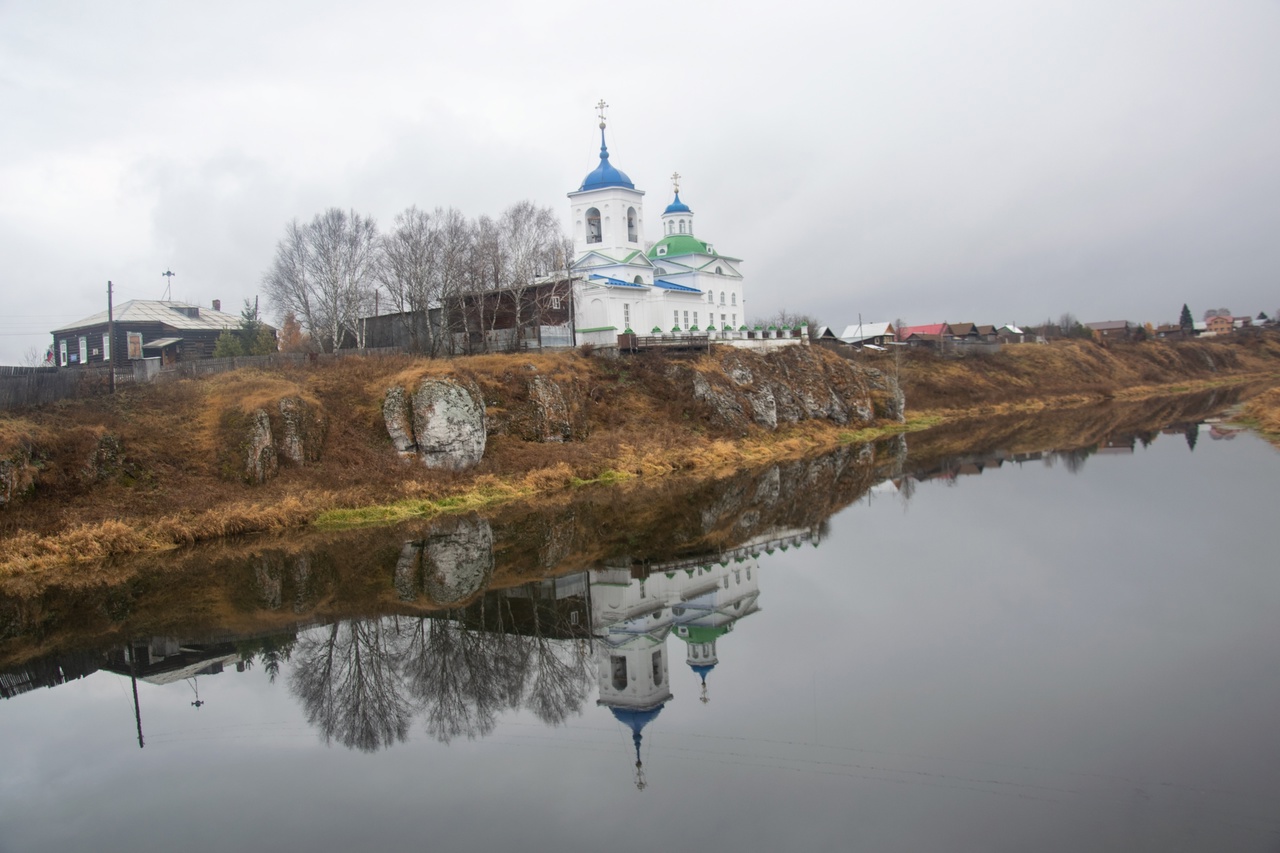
(111, 340)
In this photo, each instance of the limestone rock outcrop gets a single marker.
(303, 428)
(260, 459)
(788, 386)
(17, 476)
(442, 422)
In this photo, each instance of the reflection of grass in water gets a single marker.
(872, 433)
(1262, 414)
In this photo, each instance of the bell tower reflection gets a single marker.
(634, 608)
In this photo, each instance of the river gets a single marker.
(1052, 633)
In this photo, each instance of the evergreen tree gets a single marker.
(1186, 321)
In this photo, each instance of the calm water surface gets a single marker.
(1007, 651)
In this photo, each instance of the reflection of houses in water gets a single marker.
(165, 660)
(48, 672)
(699, 600)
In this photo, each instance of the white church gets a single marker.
(623, 283)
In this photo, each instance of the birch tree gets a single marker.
(325, 272)
(409, 269)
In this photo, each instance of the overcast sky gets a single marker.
(979, 161)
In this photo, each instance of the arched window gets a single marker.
(639, 280)
(722, 297)
(733, 299)
(618, 665)
(719, 271)
(593, 225)
(681, 226)
(631, 225)
(657, 667)
(711, 297)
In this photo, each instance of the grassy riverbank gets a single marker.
(169, 491)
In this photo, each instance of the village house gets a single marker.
(1109, 330)
(144, 328)
(868, 334)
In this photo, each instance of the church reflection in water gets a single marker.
(539, 647)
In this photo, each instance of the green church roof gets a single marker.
(679, 244)
(703, 634)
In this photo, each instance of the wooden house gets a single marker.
(144, 328)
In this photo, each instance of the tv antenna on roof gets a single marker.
(168, 284)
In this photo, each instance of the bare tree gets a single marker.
(324, 272)
(529, 244)
(288, 284)
(409, 270)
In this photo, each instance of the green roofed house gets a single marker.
(623, 282)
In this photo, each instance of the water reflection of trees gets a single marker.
(361, 682)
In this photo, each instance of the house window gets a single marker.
(84, 349)
(135, 344)
(555, 303)
(106, 347)
(593, 225)
(62, 352)
(618, 667)
(626, 315)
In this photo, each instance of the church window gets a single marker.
(638, 280)
(676, 320)
(695, 318)
(626, 315)
(722, 297)
(618, 666)
(593, 225)
(733, 299)
(657, 667)
(681, 226)
(661, 271)
(711, 297)
(721, 319)
(662, 250)
(719, 271)
(735, 319)
(631, 225)
(686, 319)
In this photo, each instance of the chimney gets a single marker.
(217, 305)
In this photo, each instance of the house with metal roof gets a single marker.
(144, 328)
(625, 284)
(862, 334)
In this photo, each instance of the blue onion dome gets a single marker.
(677, 206)
(605, 175)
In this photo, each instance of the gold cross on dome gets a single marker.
(600, 108)
(675, 181)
